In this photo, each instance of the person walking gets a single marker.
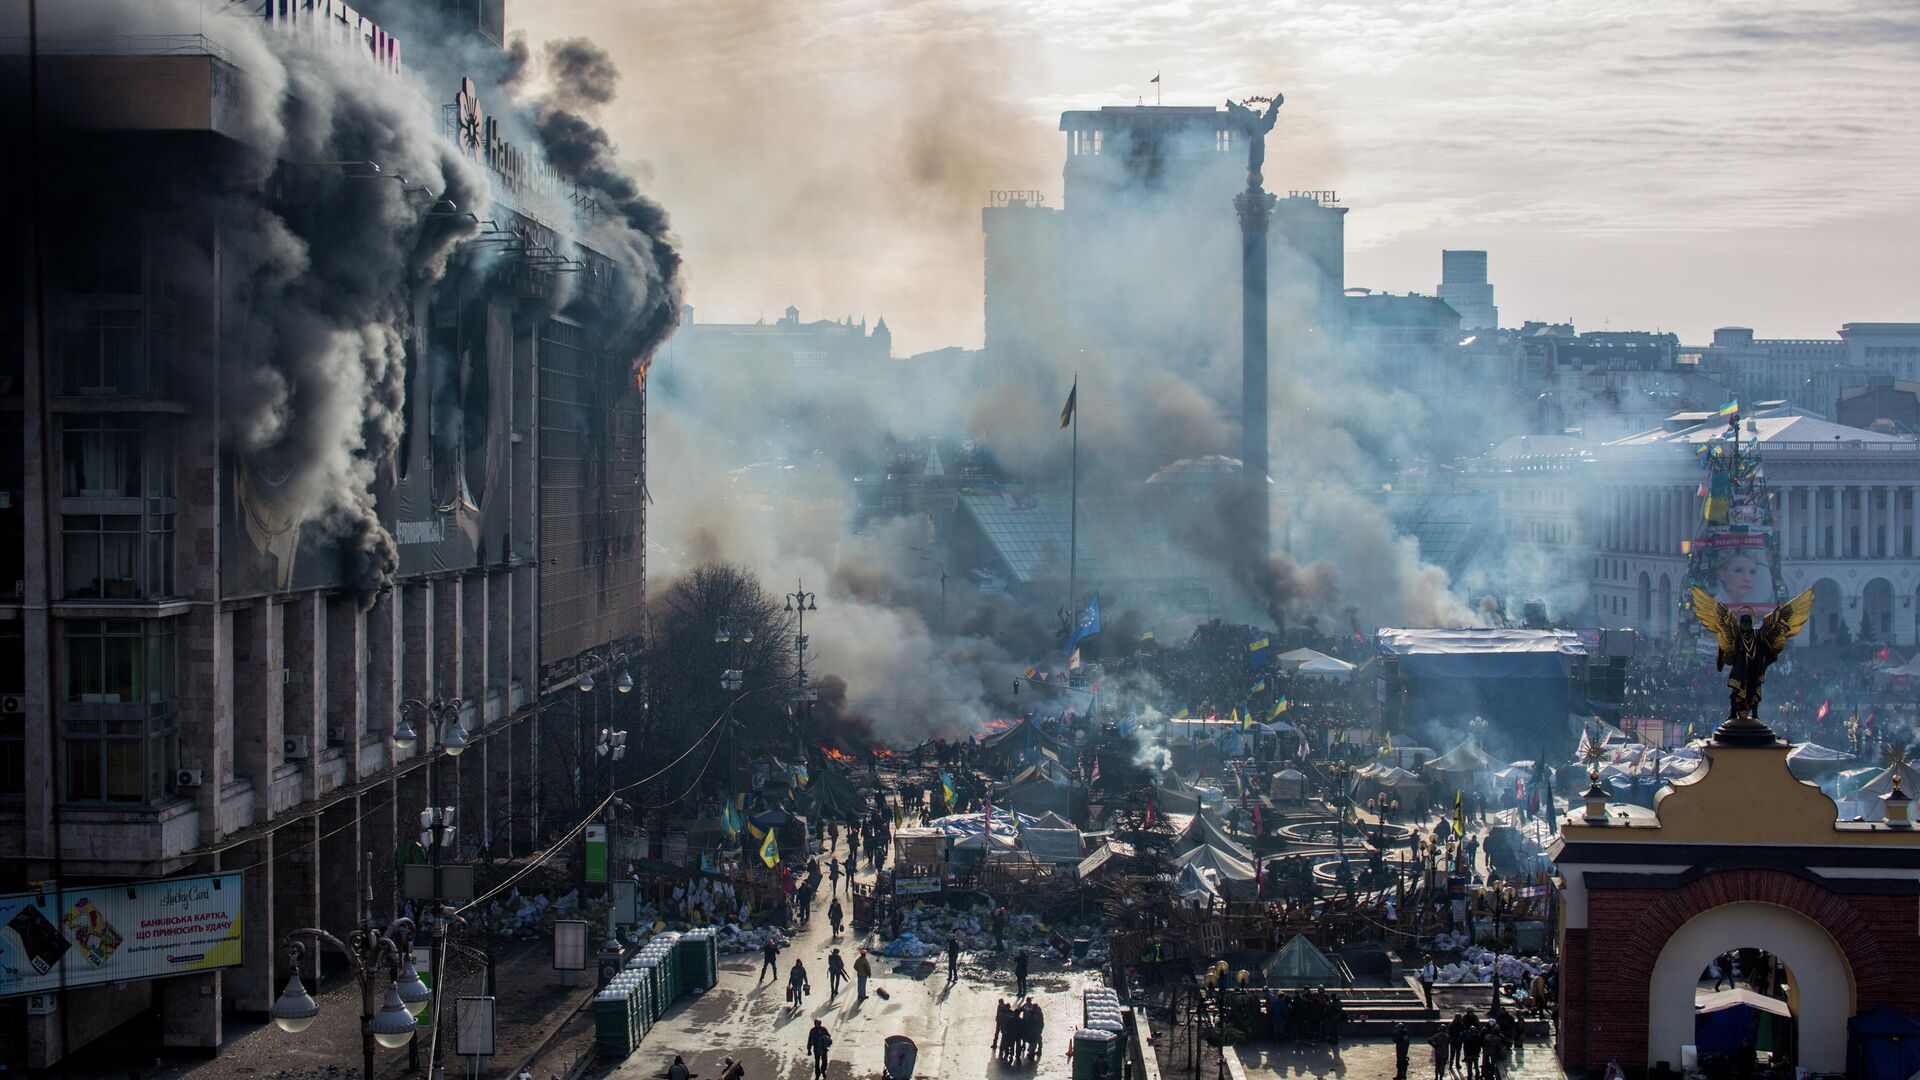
(1441, 1044)
(1020, 974)
(836, 972)
(769, 952)
(833, 876)
(1402, 1042)
(797, 984)
(1476, 1038)
(999, 929)
(1428, 976)
(818, 1042)
(732, 1070)
(862, 971)
(835, 913)
(953, 960)
(1493, 1055)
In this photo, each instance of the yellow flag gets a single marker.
(769, 851)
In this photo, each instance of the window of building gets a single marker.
(120, 740)
(119, 476)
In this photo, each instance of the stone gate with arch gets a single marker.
(1738, 855)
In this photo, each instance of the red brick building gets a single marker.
(1741, 855)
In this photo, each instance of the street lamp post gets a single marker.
(929, 557)
(801, 601)
(442, 717)
(368, 950)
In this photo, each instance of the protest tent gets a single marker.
(1233, 873)
(1883, 1044)
(1466, 759)
(1202, 831)
(1326, 668)
(1809, 760)
(1055, 845)
(1289, 784)
(1726, 1020)
(1300, 963)
(1193, 884)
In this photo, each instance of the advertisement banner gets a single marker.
(116, 933)
(596, 853)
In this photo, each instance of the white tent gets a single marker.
(1293, 658)
(1327, 668)
(1228, 867)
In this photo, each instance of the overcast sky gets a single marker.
(1681, 165)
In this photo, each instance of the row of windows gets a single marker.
(122, 469)
(119, 685)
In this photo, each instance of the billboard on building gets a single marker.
(116, 933)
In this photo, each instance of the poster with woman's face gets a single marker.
(1742, 580)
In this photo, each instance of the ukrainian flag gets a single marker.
(1258, 645)
(731, 820)
(946, 786)
(1259, 687)
(769, 850)
(1183, 714)
(1730, 407)
(1281, 705)
(1147, 634)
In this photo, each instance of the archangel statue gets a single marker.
(1253, 127)
(1746, 650)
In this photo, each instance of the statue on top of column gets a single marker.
(1253, 127)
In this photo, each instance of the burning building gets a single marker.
(327, 416)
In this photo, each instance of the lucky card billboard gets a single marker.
(114, 933)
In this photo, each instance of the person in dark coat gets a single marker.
(953, 960)
(1441, 1048)
(769, 952)
(835, 915)
(818, 1042)
(1402, 1042)
(1020, 974)
(836, 972)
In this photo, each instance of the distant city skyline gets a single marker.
(1649, 166)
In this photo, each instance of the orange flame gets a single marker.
(640, 374)
(837, 755)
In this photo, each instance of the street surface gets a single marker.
(1373, 1060)
(953, 1025)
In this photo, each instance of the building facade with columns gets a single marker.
(1618, 513)
(202, 677)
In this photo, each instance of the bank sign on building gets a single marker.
(116, 933)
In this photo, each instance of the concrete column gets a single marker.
(1913, 511)
(500, 793)
(499, 644)
(447, 626)
(347, 679)
(379, 815)
(1783, 521)
(416, 655)
(525, 786)
(259, 705)
(296, 888)
(252, 986)
(1813, 521)
(205, 711)
(190, 1006)
(304, 685)
(473, 641)
(382, 675)
(341, 866)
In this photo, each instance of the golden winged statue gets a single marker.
(1746, 651)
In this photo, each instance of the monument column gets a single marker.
(1255, 208)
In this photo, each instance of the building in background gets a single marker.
(1463, 285)
(1143, 255)
(203, 677)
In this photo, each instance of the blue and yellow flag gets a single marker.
(1183, 714)
(1730, 407)
(732, 820)
(1147, 634)
(800, 776)
(1256, 646)
(769, 849)
(1259, 687)
(946, 787)
(1719, 497)
(1280, 706)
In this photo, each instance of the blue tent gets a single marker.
(1883, 1044)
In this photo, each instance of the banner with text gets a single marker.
(115, 933)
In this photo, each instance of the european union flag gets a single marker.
(1087, 625)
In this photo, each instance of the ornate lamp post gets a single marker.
(369, 950)
(800, 601)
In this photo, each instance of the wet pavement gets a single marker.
(747, 1017)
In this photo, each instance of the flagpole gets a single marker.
(1073, 533)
